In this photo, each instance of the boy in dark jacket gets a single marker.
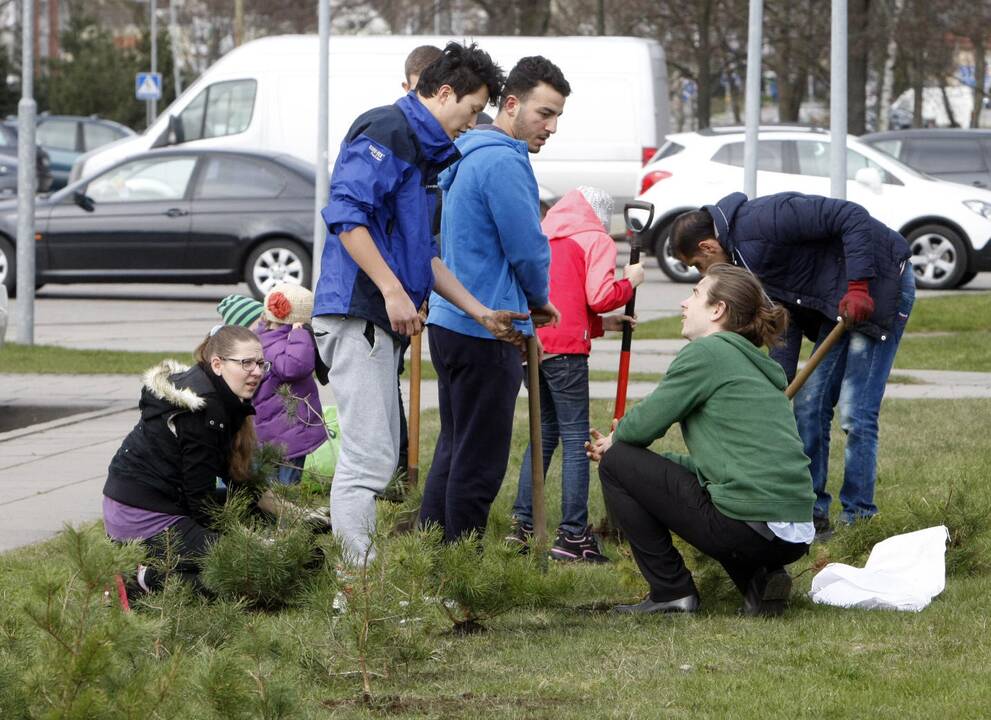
(381, 262)
(821, 258)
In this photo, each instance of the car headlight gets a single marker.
(980, 207)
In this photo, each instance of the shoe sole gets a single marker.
(566, 556)
(775, 597)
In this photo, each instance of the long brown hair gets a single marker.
(749, 311)
(222, 344)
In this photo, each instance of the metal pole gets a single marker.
(323, 178)
(27, 181)
(755, 43)
(174, 36)
(837, 101)
(153, 104)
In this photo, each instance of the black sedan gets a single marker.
(183, 216)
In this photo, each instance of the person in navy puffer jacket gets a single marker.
(287, 403)
(821, 258)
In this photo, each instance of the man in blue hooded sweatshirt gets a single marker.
(493, 243)
(379, 265)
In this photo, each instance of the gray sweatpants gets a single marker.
(363, 378)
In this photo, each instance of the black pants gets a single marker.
(478, 381)
(185, 544)
(650, 497)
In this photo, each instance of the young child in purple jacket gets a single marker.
(287, 404)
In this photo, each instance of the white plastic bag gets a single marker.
(904, 572)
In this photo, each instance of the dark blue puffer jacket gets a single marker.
(389, 157)
(804, 249)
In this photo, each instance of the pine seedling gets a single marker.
(967, 517)
(263, 565)
(386, 607)
(480, 582)
(245, 682)
(92, 659)
(264, 468)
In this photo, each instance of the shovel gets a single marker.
(413, 425)
(536, 445)
(636, 223)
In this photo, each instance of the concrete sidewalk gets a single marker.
(53, 473)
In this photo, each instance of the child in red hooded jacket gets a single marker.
(583, 285)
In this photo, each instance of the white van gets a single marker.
(263, 95)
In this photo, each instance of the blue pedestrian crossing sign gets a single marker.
(148, 86)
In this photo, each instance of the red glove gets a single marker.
(857, 305)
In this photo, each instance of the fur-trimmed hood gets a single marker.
(177, 384)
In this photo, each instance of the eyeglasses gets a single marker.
(249, 364)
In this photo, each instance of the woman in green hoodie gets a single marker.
(743, 493)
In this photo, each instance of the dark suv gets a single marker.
(960, 156)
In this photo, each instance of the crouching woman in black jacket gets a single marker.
(195, 435)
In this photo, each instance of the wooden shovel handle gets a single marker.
(835, 334)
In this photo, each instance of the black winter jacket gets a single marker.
(172, 458)
(805, 248)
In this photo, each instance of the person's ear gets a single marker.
(512, 105)
(216, 364)
(710, 246)
(405, 86)
(719, 311)
(445, 92)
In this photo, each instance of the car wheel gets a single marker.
(939, 257)
(8, 266)
(967, 277)
(669, 264)
(274, 262)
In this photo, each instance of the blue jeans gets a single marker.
(853, 376)
(564, 417)
(291, 471)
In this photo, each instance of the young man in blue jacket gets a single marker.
(493, 243)
(822, 258)
(381, 262)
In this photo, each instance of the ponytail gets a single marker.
(749, 311)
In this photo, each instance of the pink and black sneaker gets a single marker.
(581, 547)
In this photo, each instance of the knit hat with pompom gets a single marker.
(288, 304)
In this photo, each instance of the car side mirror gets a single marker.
(84, 201)
(869, 177)
(173, 134)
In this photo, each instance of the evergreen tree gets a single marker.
(94, 76)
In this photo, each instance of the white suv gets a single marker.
(947, 225)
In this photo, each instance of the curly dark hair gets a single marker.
(689, 229)
(530, 72)
(466, 68)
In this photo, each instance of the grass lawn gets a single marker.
(569, 658)
(944, 333)
(53, 360)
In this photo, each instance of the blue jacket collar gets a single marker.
(436, 146)
(723, 213)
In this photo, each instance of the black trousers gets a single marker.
(650, 497)
(478, 381)
(185, 544)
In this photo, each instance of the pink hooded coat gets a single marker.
(583, 275)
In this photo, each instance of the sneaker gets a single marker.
(824, 529)
(582, 547)
(521, 535)
(767, 593)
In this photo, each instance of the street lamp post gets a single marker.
(27, 181)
